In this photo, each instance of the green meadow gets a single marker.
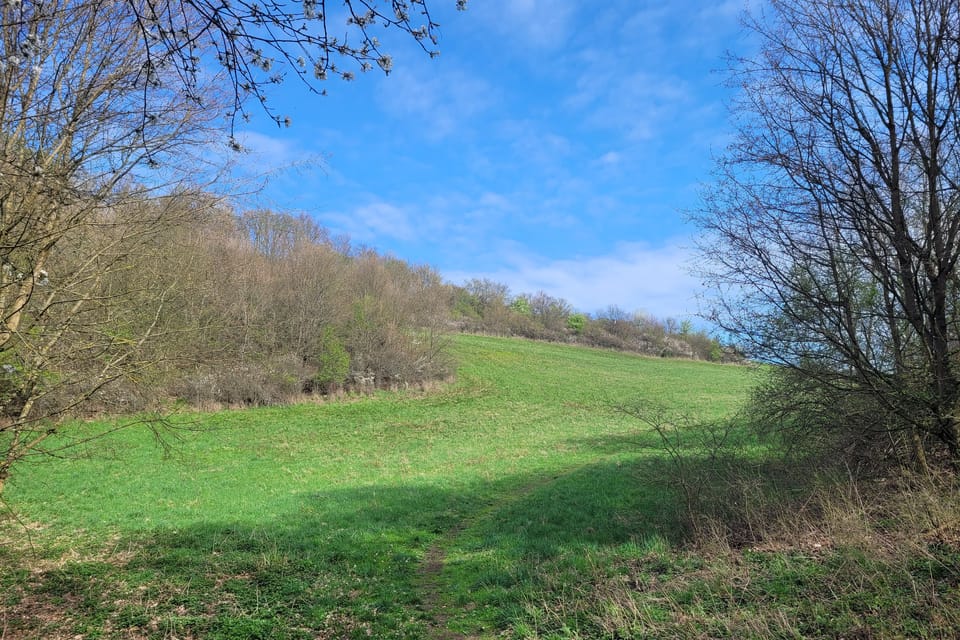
(517, 501)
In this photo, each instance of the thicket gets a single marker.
(262, 307)
(213, 307)
(485, 306)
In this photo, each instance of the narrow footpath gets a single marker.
(430, 572)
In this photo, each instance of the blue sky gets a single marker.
(553, 145)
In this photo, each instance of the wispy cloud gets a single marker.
(639, 105)
(267, 165)
(729, 10)
(373, 222)
(653, 76)
(637, 277)
(440, 102)
(542, 24)
(268, 150)
(610, 159)
(534, 144)
(449, 221)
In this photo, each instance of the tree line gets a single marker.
(485, 306)
(211, 306)
(158, 299)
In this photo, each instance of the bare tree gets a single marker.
(550, 311)
(97, 100)
(259, 42)
(85, 142)
(834, 231)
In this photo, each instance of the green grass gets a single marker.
(515, 501)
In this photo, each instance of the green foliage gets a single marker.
(465, 305)
(486, 295)
(521, 305)
(576, 322)
(716, 351)
(333, 361)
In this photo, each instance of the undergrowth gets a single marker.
(771, 548)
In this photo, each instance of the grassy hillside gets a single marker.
(518, 500)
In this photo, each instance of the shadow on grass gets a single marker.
(341, 563)
(550, 527)
(636, 442)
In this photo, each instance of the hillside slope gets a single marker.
(401, 515)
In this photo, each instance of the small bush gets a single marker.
(521, 305)
(333, 362)
(577, 322)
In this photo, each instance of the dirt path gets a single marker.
(429, 583)
(429, 573)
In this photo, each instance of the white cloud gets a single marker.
(493, 200)
(441, 103)
(373, 222)
(636, 277)
(267, 150)
(267, 169)
(655, 70)
(639, 104)
(534, 144)
(686, 26)
(541, 24)
(610, 159)
(450, 221)
(729, 11)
